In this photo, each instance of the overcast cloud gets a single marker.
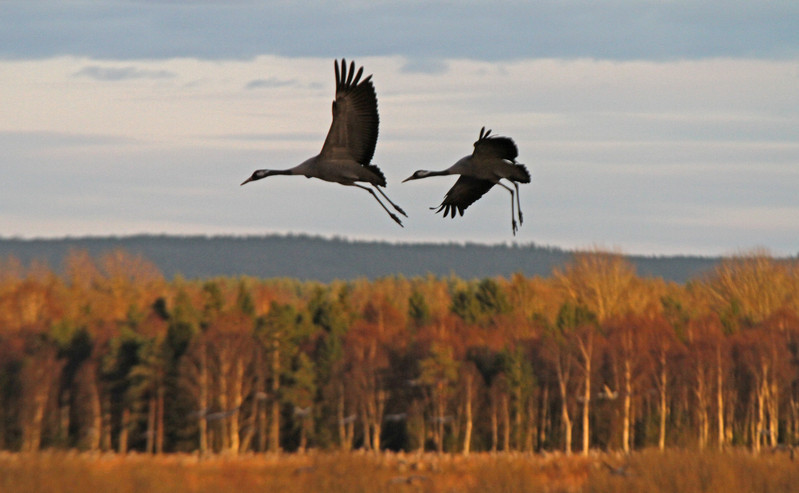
(658, 127)
(481, 29)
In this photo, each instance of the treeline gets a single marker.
(314, 258)
(109, 355)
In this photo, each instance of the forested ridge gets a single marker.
(327, 259)
(108, 354)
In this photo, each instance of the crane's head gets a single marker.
(422, 173)
(257, 175)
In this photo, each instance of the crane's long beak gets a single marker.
(409, 179)
(248, 180)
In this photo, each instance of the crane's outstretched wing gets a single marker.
(353, 132)
(496, 146)
(463, 193)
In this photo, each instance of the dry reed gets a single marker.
(651, 471)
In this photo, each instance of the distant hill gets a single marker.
(315, 258)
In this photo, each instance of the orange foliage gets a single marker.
(716, 358)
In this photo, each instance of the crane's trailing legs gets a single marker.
(395, 206)
(393, 216)
(513, 225)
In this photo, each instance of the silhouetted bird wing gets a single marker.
(463, 193)
(353, 132)
(495, 146)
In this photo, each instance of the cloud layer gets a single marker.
(486, 30)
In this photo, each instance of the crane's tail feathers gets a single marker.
(381, 178)
(522, 174)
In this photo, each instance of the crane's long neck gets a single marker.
(263, 173)
(275, 172)
(423, 173)
(443, 172)
(306, 168)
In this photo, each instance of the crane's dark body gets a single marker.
(350, 144)
(493, 159)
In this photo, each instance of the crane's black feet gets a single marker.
(514, 227)
(521, 220)
(399, 209)
(396, 219)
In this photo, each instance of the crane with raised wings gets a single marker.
(350, 144)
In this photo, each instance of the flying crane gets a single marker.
(493, 159)
(350, 144)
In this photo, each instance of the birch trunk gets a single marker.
(701, 402)
(439, 423)
(344, 444)
(37, 380)
(262, 424)
(663, 405)
(274, 422)
(543, 422)
(223, 392)
(202, 423)
(150, 424)
(303, 435)
(32, 435)
(96, 426)
(628, 390)
(761, 418)
(63, 417)
(773, 412)
(720, 398)
(105, 436)
(564, 411)
(505, 423)
(159, 436)
(467, 434)
(494, 427)
(422, 430)
(123, 432)
(587, 352)
(237, 387)
(518, 440)
(531, 435)
(587, 406)
(367, 437)
(377, 418)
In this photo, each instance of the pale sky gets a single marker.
(658, 127)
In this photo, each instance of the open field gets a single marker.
(648, 471)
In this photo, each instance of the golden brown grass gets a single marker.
(673, 472)
(677, 471)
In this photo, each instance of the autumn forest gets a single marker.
(107, 354)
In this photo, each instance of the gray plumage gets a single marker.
(493, 159)
(348, 149)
